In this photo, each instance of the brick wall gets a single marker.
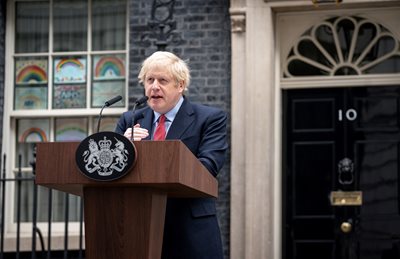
(202, 37)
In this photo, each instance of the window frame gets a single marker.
(287, 36)
(10, 116)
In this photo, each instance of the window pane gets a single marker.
(67, 96)
(31, 83)
(32, 27)
(108, 24)
(58, 204)
(103, 91)
(69, 87)
(71, 129)
(70, 25)
(108, 74)
(25, 151)
(346, 46)
(25, 189)
(108, 67)
(69, 70)
(33, 97)
(106, 124)
(33, 130)
(30, 131)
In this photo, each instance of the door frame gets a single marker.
(286, 38)
(256, 145)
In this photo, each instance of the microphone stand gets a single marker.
(107, 104)
(138, 102)
(133, 119)
(101, 112)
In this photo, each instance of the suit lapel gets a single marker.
(183, 119)
(147, 121)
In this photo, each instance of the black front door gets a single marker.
(341, 142)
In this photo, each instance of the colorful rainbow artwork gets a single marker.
(70, 133)
(32, 74)
(33, 135)
(65, 62)
(109, 67)
(31, 101)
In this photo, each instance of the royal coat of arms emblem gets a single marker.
(105, 156)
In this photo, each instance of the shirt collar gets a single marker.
(170, 116)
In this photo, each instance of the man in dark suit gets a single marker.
(191, 228)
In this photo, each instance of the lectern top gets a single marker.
(179, 175)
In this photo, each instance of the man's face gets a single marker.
(162, 89)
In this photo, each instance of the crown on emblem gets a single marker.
(105, 144)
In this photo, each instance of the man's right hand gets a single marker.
(138, 133)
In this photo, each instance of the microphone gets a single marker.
(141, 100)
(138, 102)
(107, 104)
(113, 100)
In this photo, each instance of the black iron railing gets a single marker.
(45, 250)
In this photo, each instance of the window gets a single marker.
(344, 46)
(68, 57)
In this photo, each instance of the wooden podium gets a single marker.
(124, 218)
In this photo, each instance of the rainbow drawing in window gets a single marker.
(108, 67)
(30, 98)
(33, 135)
(33, 130)
(31, 71)
(71, 129)
(69, 70)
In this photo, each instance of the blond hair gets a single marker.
(169, 61)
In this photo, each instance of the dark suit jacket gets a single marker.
(191, 229)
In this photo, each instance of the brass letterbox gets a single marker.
(341, 198)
